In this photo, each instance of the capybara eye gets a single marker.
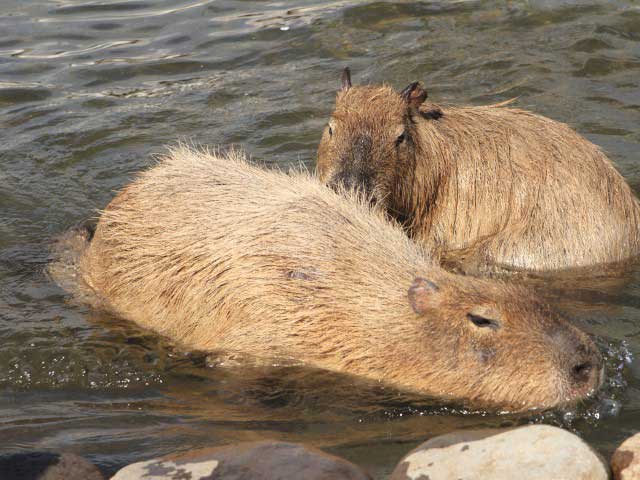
(483, 322)
(401, 138)
(330, 131)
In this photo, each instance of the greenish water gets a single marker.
(90, 89)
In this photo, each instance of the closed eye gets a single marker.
(483, 322)
(400, 138)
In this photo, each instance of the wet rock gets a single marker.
(47, 466)
(246, 461)
(531, 452)
(625, 461)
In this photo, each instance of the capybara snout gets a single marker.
(582, 359)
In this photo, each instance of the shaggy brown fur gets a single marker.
(217, 254)
(489, 185)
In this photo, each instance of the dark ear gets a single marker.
(345, 79)
(423, 294)
(414, 94)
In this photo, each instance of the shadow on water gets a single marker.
(90, 90)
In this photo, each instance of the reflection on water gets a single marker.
(89, 90)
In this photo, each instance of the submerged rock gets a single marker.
(47, 466)
(531, 452)
(266, 460)
(625, 461)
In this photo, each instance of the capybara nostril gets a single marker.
(586, 371)
(584, 365)
(360, 180)
(581, 373)
(341, 180)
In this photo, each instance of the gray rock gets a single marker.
(47, 466)
(246, 461)
(531, 452)
(625, 461)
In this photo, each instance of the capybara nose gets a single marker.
(343, 179)
(587, 371)
(584, 365)
(582, 372)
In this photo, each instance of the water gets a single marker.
(89, 90)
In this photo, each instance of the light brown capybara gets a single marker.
(217, 254)
(494, 186)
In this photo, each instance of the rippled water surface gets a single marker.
(90, 89)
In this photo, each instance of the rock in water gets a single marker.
(625, 462)
(266, 460)
(47, 466)
(531, 452)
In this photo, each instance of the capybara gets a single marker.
(217, 254)
(499, 186)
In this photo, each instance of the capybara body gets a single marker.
(499, 186)
(221, 255)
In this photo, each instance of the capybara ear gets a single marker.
(423, 294)
(414, 94)
(345, 79)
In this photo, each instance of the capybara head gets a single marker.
(370, 138)
(503, 346)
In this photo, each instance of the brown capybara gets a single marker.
(496, 186)
(217, 254)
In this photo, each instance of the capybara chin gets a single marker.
(495, 186)
(217, 254)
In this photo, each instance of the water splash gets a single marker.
(607, 402)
